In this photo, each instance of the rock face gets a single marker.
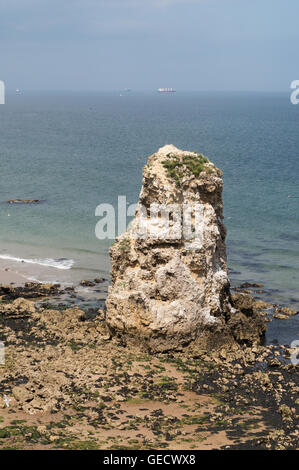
(170, 283)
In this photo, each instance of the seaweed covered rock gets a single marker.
(170, 283)
(29, 290)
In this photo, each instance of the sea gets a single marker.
(76, 150)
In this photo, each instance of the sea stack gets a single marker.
(170, 285)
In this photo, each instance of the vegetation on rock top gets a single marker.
(177, 167)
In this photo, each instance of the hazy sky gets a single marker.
(145, 44)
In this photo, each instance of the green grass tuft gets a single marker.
(189, 164)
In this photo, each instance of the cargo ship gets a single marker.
(166, 90)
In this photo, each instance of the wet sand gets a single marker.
(8, 276)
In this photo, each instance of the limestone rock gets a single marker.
(243, 302)
(22, 394)
(169, 275)
(286, 311)
(29, 290)
(18, 307)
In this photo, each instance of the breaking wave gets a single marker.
(60, 263)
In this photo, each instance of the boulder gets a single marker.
(85, 283)
(22, 394)
(18, 308)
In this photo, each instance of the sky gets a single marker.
(145, 44)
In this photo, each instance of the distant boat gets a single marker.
(166, 90)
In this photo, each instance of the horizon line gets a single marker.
(144, 90)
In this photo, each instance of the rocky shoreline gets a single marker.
(68, 384)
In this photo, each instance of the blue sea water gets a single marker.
(74, 151)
